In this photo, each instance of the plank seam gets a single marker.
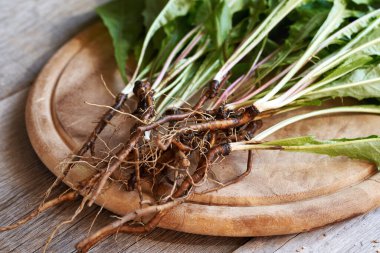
(14, 93)
(286, 242)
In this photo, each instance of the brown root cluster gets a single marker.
(165, 158)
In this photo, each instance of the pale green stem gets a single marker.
(171, 96)
(333, 62)
(200, 81)
(282, 124)
(348, 28)
(335, 17)
(171, 56)
(177, 69)
(283, 9)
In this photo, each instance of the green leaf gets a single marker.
(125, 25)
(152, 10)
(217, 17)
(301, 102)
(350, 30)
(363, 1)
(172, 10)
(222, 22)
(360, 84)
(367, 148)
(349, 65)
(369, 36)
(365, 44)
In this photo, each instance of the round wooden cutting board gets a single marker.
(285, 193)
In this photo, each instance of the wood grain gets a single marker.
(31, 31)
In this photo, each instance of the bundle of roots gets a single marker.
(165, 157)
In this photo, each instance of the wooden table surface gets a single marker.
(30, 32)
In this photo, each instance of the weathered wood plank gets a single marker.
(31, 31)
(360, 234)
(265, 244)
